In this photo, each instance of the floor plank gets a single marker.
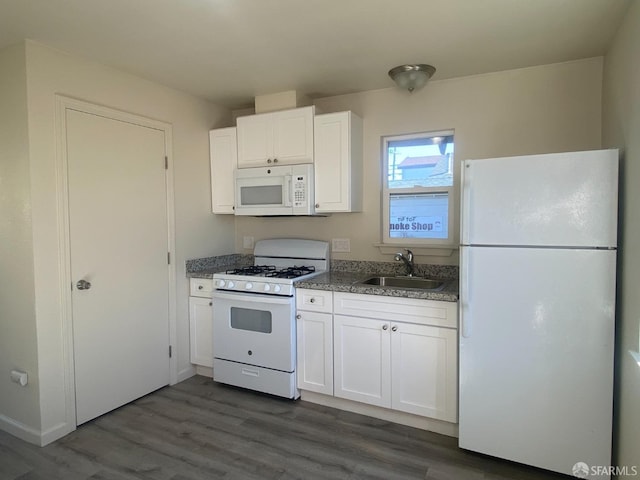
(198, 430)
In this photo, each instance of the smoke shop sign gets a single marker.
(415, 224)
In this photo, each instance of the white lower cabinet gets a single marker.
(314, 323)
(396, 353)
(362, 356)
(424, 374)
(201, 322)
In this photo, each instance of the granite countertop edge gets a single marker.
(347, 282)
(342, 279)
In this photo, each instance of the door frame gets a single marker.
(62, 104)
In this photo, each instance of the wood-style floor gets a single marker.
(202, 430)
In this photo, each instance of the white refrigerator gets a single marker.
(537, 309)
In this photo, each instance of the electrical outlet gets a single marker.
(247, 242)
(340, 245)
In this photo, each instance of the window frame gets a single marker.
(387, 240)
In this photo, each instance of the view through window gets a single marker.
(418, 187)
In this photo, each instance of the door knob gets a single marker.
(83, 285)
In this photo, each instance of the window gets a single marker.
(417, 193)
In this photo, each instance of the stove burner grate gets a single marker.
(271, 271)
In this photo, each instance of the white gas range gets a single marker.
(254, 329)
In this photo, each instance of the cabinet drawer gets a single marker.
(201, 287)
(410, 310)
(314, 300)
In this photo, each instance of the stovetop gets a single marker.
(271, 271)
(278, 264)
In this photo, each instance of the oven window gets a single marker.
(261, 195)
(251, 320)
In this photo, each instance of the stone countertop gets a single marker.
(343, 275)
(344, 282)
(206, 267)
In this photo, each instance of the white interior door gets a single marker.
(118, 233)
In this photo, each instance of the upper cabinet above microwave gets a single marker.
(276, 138)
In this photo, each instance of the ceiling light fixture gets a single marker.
(412, 77)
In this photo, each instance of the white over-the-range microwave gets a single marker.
(269, 191)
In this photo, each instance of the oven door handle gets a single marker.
(251, 298)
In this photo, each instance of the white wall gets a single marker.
(19, 409)
(198, 233)
(551, 108)
(621, 128)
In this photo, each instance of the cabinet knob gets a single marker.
(298, 316)
(210, 304)
(394, 328)
(317, 205)
(200, 287)
(268, 160)
(312, 300)
(385, 326)
(275, 160)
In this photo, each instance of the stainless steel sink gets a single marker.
(404, 282)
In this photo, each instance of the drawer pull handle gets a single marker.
(200, 287)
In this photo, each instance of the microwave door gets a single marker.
(263, 196)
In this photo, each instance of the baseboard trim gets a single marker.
(408, 419)
(204, 371)
(55, 433)
(185, 373)
(20, 430)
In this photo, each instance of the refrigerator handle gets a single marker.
(465, 320)
(465, 204)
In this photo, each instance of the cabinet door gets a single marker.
(338, 162)
(293, 136)
(315, 352)
(424, 370)
(362, 360)
(254, 140)
(224, 156)
(201, 331)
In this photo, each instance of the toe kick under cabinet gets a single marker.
(397, 353)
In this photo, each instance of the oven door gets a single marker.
(254, 329)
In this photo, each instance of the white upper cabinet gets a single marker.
(223, 153)
(338, 162)
(276, 138)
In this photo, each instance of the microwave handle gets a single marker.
(287, 190)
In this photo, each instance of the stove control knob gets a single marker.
(231, 284)
(267, 287)
(276, 288)
(248, 285)
(221, 283)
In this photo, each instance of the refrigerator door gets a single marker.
(536, 355)
(565, 199)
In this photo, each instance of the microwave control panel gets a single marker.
(299, 190)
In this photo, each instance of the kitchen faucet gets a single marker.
(408, 261)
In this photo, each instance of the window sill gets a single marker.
(419, 250)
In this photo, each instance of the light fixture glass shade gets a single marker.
(412, 77)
